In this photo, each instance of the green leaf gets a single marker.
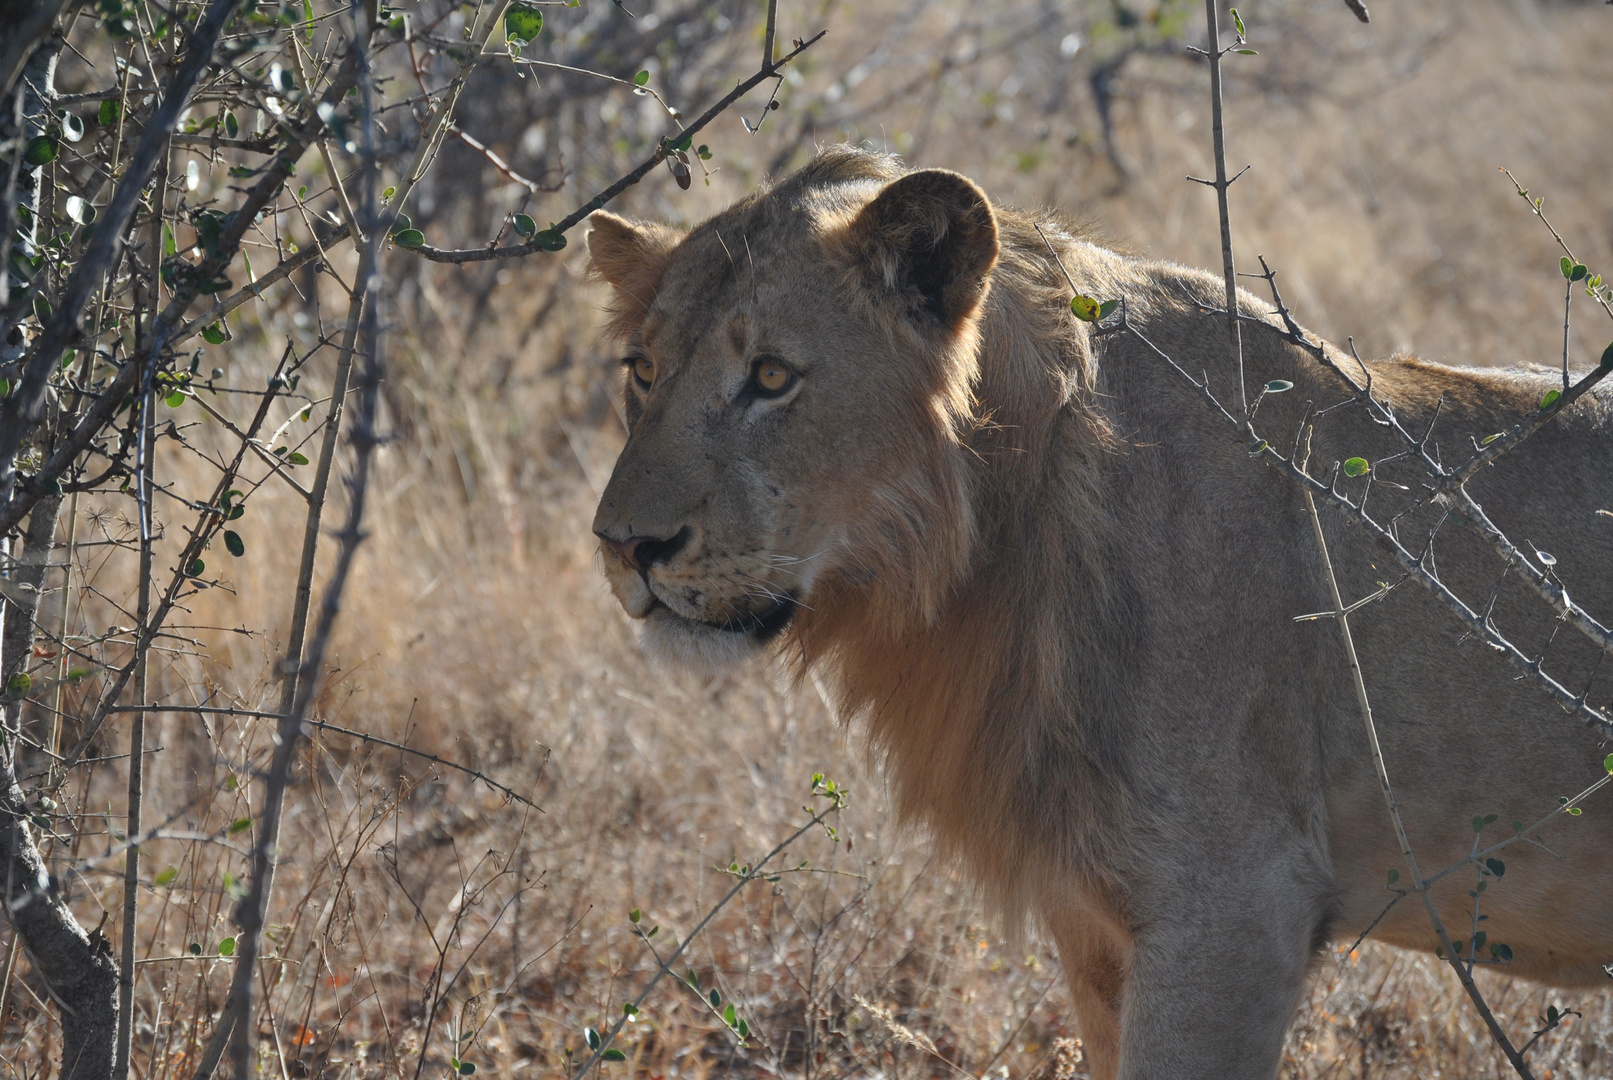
(109, 112)
(409, 238)
(1578, 273)
(466, 1068)
(641, 78)
(386, 196)
(1504, 952)
(1106, 308)
(18, 684)
(744, 1029)
(1549, 398)
(524, 224)
(1237, 20)
(1394, 876)
(694, 980)
(550, 240)
(1356, 466)
(232, 126)
(402, 223)
(728, 1015)
(634, 916)
(1574, 811)
(1607, 763)
(168, 245)
(195, 948)
(523, 23)
(295, 458)
(593, 1038)
(72, 126)
(613, 1054)
(1495, 866)
(240, 825)
(196, 568)
(213, 334)
(175, 399)
(1566, 265)
(1085, 308)
(629, 1009)
(80, 210)
(227, 947)
(715, 998)
(1607, 356)
(232, 541)
(167, 877)
(1279, 386)
(1246, 52)
(41, 150)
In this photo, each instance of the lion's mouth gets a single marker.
(761, 626)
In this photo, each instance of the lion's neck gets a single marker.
(973, 702)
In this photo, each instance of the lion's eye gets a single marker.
(771, 377)
(644, 371)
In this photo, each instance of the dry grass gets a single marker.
(415, 907)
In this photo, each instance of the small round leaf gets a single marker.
(641, 78)
(213, 333)
(409, 238)
(1549, 398)
(523, 22)
(1085, 308)
(524, 225)
(41, 150)
(1356, 466)
(227, 947)
(1278, 386)
(232, 541)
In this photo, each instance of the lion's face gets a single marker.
(789, 374)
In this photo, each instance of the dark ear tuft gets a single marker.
(632, 256)
(931, 237)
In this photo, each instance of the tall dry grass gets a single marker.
(420, 915)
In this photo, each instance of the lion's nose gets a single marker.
(643, 552)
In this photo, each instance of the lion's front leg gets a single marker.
(1093, 952)
(1210, 992)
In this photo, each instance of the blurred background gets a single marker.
(479, 627)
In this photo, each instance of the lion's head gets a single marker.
(798, 383)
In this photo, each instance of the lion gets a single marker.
(867, 434)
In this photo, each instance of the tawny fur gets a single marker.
(1061, 595)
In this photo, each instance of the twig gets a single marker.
(1212, 18)
(552, 238)
(1419, 885)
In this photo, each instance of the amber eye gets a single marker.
(644, 371)
(771, 377)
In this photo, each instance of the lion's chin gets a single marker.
(709, 647)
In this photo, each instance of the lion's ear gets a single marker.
(932, 238)
(632, 256)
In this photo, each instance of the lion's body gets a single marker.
(1062, 595)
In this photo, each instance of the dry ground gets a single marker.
(417, 908)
